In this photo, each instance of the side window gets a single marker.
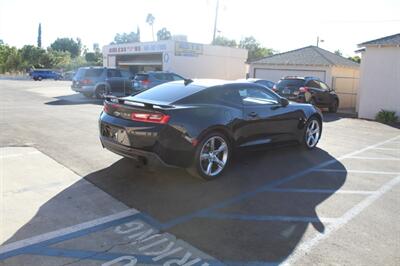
(125, 73)
(176, 77)
(324, 86)
(160, 76)
(257, 96)
(313, 84)
(229, 95)
(112, 73)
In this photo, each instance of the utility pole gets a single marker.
(215, 22)
(318, 40)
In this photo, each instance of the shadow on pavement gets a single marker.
(75, 99)
(331, 117)
(170, 193)
(166, 194)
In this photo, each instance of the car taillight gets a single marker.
(149, 117)
(106, 107)
(303, 89)
(86, 81)
(145, 82)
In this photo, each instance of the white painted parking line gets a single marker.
(375, 158)
(305, 247)
(40, 238)
(269, 218)
(18, 154)
(385, 149)
(356, 171)
(326, 191)
(374, 146)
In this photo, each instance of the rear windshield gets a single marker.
(141, 77)
(168, 92)
(284, 83)
(89, 73)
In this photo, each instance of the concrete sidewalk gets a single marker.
(50, 216)
(40, 195)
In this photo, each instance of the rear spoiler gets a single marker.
(114, 99)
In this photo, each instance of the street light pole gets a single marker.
(215, 22)
(318, 41)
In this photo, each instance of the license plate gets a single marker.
(116, 134)
(286, 91)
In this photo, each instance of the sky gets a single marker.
(282, 25)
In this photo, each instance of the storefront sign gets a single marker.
(188, 49)
(137, 48)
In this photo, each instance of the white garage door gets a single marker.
(276, 74)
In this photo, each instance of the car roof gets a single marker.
(98, 67)
(155, 72)
(301, 77)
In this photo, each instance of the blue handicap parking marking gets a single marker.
(140, 232)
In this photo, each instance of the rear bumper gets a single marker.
(88, 89)
(132, 153)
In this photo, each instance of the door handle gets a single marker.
(253, 114)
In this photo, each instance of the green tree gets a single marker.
(254, 48)
(150, 20)
(58, 59)
(5, 51)
(223, 41)
(13, 61)
(356, 59)
(338, 52)
(39, 38)
(30, 56)
(96, 48)
(127, 37)
(67, 45)
(94, 58)
(164, 34)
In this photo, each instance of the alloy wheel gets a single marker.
(312, 133)
(213, 156)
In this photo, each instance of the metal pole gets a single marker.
(215, 22)
(317, 40)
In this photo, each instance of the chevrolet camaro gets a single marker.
(198, 124)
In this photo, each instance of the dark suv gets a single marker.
(101, 81)
(147, 80)
(308, 90)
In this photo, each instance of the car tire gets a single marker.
(88, 94)
(211, 161)
(334, 106)
(101, 91)
(312, 133)
(39, 78)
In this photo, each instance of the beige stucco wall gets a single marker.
(216, 62)
(345, 81)
(379, 81)
(212, 62)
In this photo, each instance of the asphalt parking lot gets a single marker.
(68, 201)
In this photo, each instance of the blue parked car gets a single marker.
(39, 74)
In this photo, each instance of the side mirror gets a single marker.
(283, 101)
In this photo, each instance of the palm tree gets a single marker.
(150, 20)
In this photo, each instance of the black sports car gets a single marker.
(198, 124)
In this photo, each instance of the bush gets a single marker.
(387, 117)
